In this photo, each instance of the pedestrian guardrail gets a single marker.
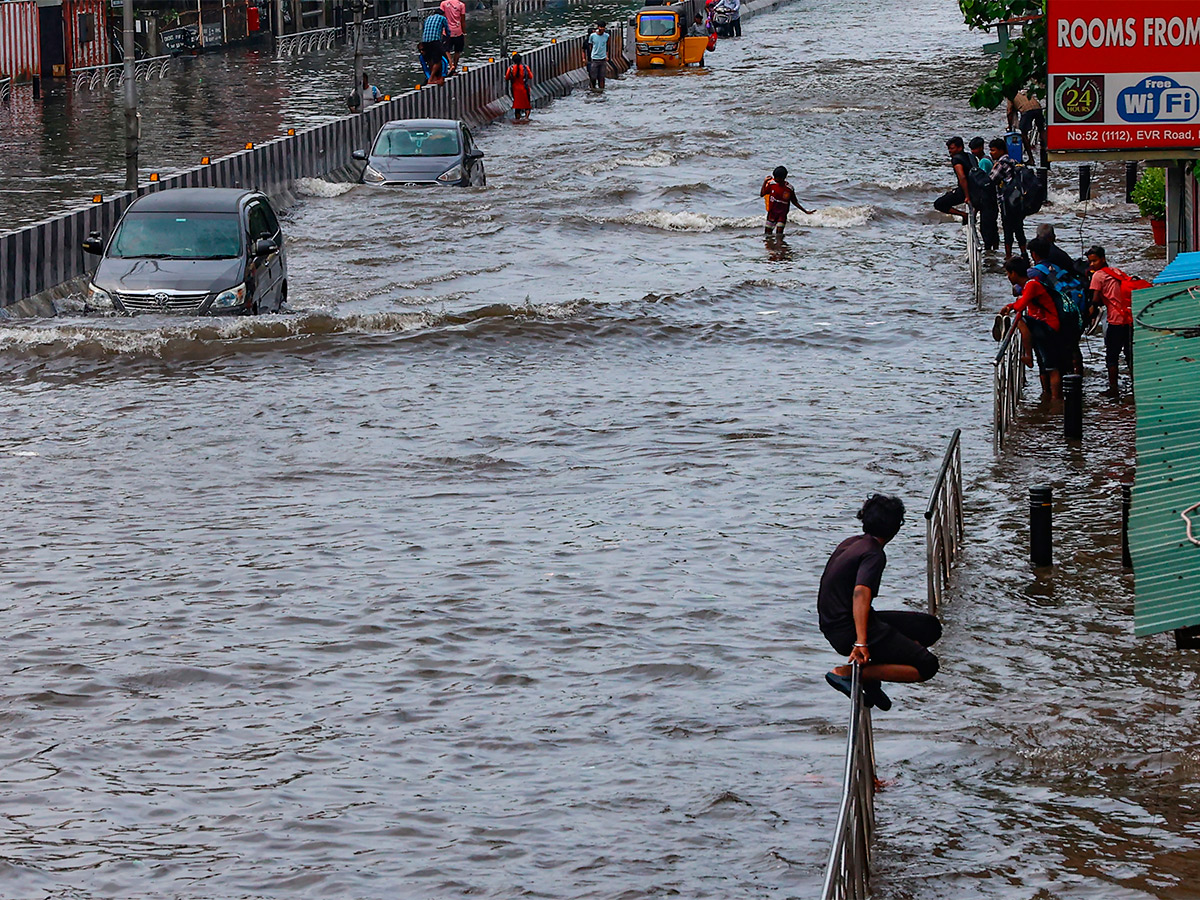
(383, 27)
(92, 77)
(974, 255)
(5, 89)
(944, 522)
(306, 41)
(1008, 380)
(849, 867)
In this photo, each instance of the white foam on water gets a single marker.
(688, 221)
(656, 159)
(319, 187)
(835, 109)
(1070, 200)
(836, 217)
(902, 184)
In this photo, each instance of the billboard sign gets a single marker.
(1123, 76)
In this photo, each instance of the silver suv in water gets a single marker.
(197, 251)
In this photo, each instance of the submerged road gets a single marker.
(492, 568)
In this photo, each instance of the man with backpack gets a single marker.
(1004, 177)
(1039, 324)
(1114, 289)
(1070, 300)
(983, 195)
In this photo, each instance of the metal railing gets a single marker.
(383, 27)
(974, 255)
(1008, 380)
(849, 867)
(944, 522)
(91, 77)
(5, 89)
(306, 41)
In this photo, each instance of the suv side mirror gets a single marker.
(93, 244)
(265, 247)
(360, 154)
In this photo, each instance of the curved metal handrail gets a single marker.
(849, 867)
(1008, 380)
(5, 89)
(92, 77)
(944, 522)
(975, 255)
(305, 41)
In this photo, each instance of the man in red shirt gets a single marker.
(1107, 288)
(780, 198)
(455, 12)
(1039, 324)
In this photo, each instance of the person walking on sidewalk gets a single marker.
(435, 33)
(962, 163)
(983, 195)
(595, 55)
(889, 645)
(1107, 288)
(1003, 172)
(455, 12)
(519, 78)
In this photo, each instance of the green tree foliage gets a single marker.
(1023, 66)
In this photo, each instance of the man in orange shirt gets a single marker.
(1039, 325)
(1107, 288)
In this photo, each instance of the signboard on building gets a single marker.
(1123, 76)
(176, 40)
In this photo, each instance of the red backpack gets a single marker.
(1129, 284)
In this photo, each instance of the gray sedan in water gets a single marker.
(423, 151)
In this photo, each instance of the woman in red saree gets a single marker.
(519, 78)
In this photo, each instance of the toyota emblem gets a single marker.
(162, 300)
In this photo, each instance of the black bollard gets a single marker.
(1041, 536)
(1126, 503)
(1130, 180)
(1072, 388)
(37, 87)
(1085, 182)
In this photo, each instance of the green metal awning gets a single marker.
(1166, 564)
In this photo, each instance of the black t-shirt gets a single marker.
(857, 560)
(1059, 257)
(964, 159)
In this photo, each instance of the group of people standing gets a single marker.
(443, 37)
(989, 181)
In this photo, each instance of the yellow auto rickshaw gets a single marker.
(661, 39)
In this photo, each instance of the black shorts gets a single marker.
(1118, 339)
(456, 44)
(949, 200)
(433, 51)
(1047, 346)
(1033, 117)
(901, 638)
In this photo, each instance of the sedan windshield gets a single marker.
(417, 142)
(656, 26)
(178, 236)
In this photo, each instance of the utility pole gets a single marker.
(131, 113)
(359, 7)
(501, 9)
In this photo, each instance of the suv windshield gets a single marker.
(417, 142)
(178, 236)
(656, 26)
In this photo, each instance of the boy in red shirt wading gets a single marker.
(780, 197)
(1107, 287)
(1039, 325)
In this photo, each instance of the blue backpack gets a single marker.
(1067, 290)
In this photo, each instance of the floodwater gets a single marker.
(490, 570)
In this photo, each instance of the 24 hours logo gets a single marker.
(1079, 98)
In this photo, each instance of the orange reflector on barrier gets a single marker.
(154, 176)
(416, 87)
(387, 97)
(291, 132)
(97, 198)
(491, 59)
(249, 146)
(205, 161)
(554, 40)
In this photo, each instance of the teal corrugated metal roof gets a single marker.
(1166, 564)
(1184, 267)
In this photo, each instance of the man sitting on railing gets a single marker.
(1039, 325)
(889, 645)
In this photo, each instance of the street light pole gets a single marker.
(359, 6)
(131, 113)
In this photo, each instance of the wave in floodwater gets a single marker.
(829, 217)
(319, 187)
(655, 159)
